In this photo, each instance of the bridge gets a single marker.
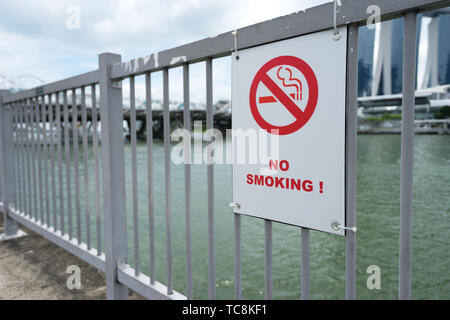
(222, 120)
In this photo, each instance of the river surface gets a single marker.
(378, 206)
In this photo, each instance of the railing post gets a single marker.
(7, 175)
(351, 155)
(407, 155)
(113, 177)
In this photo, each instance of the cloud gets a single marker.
(36, 40)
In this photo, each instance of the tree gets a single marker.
(443, 113)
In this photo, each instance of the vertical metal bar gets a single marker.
(19, 134)
(24, 157)
(85, 168)
(21, 157)
(28, 132)
(151, 216)
(237, 258)
(113, 165)
(12, 106)
(167, 178)
(29, 140)
(39, 142)
(7, 166)
(33, 143)
(268, 259)
(210, 177)
(52, 158)
(59, 150)
(17, 143)
(76, 160)
(97, 179)
(45, 149)
(67, 161)
(33, 157)
(305, 264)
(187, 180)
(406, 186)
(134, 175)
(351, 143)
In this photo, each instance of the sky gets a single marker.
(43, 37)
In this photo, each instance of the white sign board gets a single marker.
(293, 91)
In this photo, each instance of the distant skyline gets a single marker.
(369, 40)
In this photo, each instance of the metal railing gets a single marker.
(39, 140)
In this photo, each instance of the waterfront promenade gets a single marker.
(33, 268)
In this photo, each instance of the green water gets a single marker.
(378, 207)
(378, 191)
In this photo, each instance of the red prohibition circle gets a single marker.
(301, 117)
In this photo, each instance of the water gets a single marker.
(378, 226)
(378, 191)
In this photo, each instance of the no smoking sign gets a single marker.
(291, 92)
(287, 90)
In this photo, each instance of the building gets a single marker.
(444, 49)
(380, 54)
(366, 38)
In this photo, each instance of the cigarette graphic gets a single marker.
(296, 83)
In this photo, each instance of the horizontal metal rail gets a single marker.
(296, 24)
(78, 81)
(126, 274)
(141, 285)
(61, 240)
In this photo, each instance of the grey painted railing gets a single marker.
(32, 162)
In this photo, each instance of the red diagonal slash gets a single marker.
(282, 96)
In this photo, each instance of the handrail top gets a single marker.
(299, 23)
(74, 82)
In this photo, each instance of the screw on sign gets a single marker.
(281, 92)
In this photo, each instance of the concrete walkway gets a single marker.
(31, 267)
